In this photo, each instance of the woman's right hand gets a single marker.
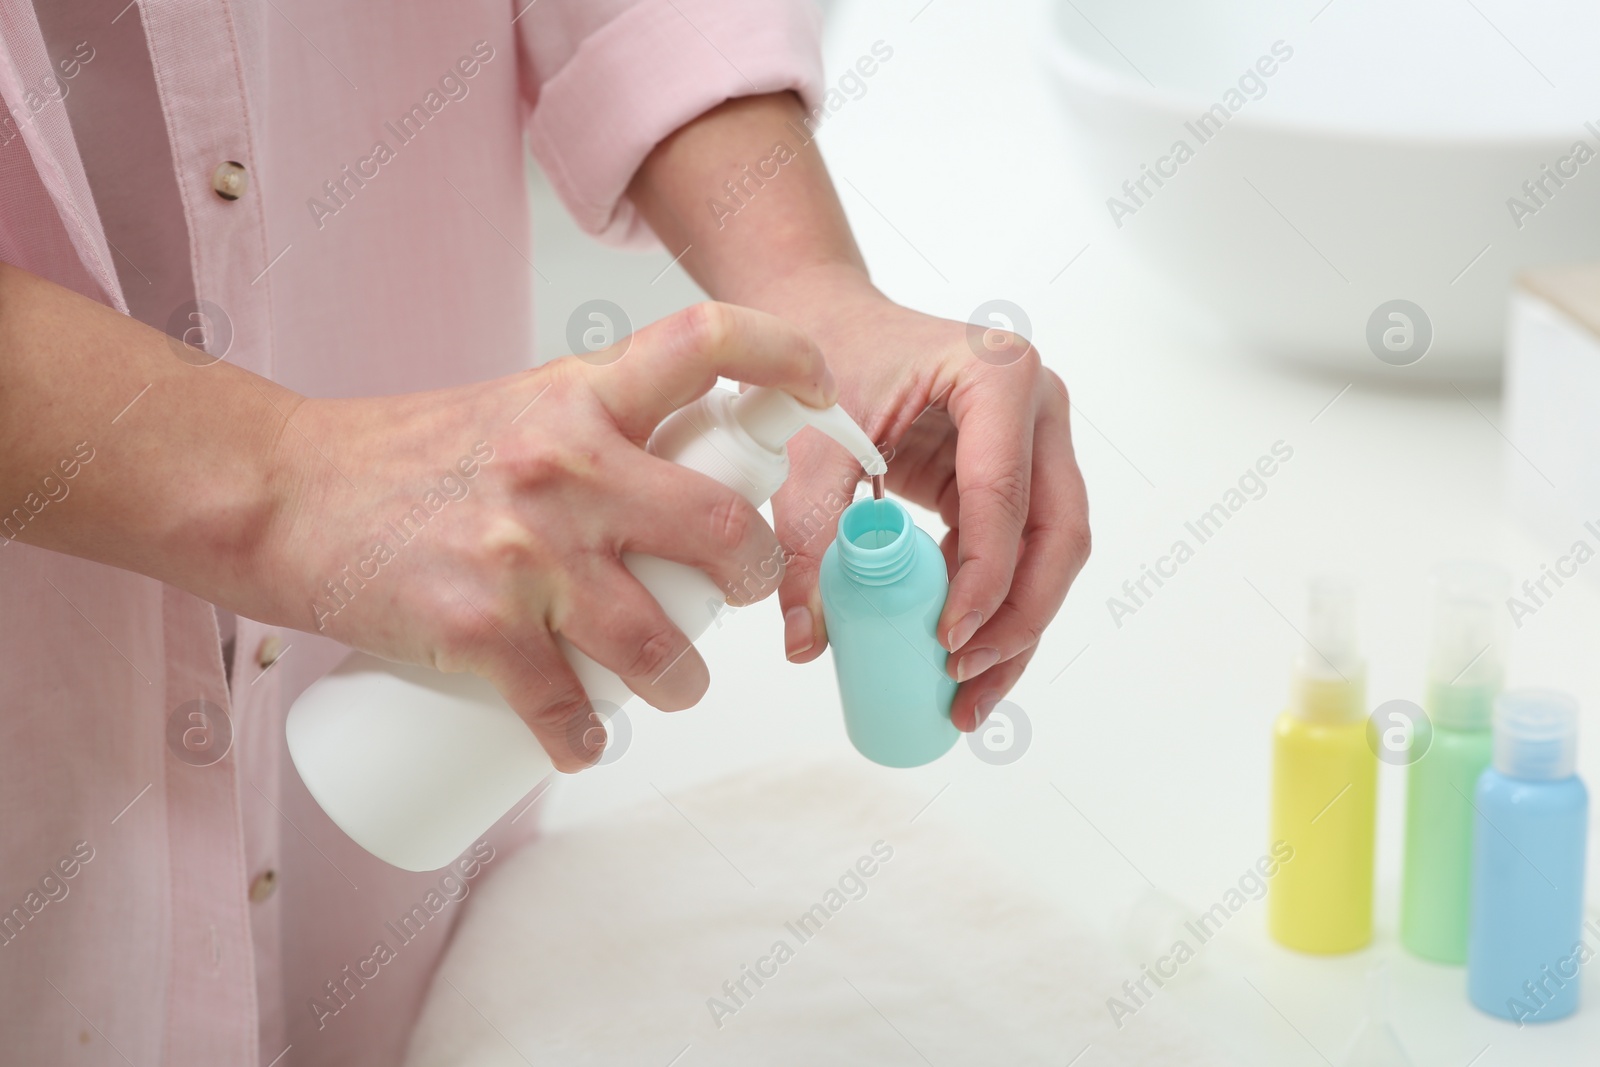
(465, 528)
(461, 529)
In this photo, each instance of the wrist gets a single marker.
(886, 358)
(291, 475)
(821, 298)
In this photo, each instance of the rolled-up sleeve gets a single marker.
(608, 80)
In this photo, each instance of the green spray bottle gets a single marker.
(1448, 752)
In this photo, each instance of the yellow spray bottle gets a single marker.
(1325, 786)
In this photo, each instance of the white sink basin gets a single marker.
(1373, 154)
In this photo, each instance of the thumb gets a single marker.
(805, 515)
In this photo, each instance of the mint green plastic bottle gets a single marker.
(1465, 673)
(883, 586)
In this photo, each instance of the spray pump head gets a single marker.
(1466, 665)
(1330, 675)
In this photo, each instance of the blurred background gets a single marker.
(1200, 323)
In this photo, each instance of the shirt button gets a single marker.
(230, 180)
(263, 885)
(268, 651)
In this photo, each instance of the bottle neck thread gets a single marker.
(876, 542)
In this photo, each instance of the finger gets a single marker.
(676, 360)
(536, 680)
(994, 412)
(621, 627)
(977, 698)
(950, 549)
(806, 514)
(675, 513)
(1055, 547)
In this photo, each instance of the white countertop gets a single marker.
(956, 170)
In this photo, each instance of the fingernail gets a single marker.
(962, 631)
(797, 632)
(982, 710)
(975, 663)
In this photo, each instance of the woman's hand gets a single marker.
(983, 441)
(465, 528)
(462, 529)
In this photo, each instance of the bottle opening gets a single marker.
(875, 541)
(875, 523)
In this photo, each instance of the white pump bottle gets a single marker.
(415, 765)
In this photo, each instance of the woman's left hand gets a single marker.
(974, 428)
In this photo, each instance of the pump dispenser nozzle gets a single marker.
(739, 439)
(772, 416)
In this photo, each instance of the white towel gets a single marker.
(654, 938)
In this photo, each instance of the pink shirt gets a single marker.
(155, 907)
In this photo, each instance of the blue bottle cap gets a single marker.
(1536, 734)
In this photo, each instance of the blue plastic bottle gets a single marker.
(883, 586)
(1529, 833)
